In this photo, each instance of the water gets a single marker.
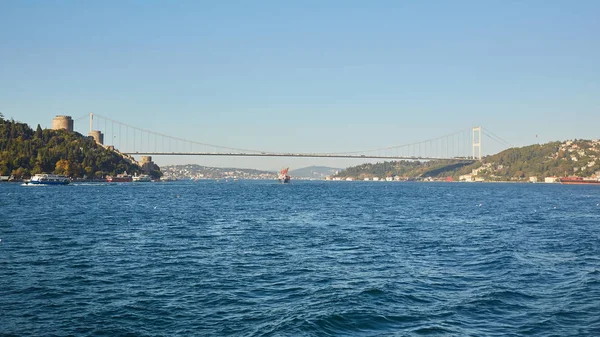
(304, 259)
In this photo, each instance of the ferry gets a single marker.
(578, 181)
(49, 179)
(119, 178)
(143, 178)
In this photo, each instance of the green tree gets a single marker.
(38, 132)
(62, 167)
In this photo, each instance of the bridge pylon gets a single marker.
(476, 142)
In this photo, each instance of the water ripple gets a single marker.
(306, 259)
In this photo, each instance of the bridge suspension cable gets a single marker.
(131, 139)
(496, 138)
(81, 117)
(429, 145)
(154, 135)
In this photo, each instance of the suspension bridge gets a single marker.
(464, 145)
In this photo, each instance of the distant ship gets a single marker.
(142, 178)
(284, 177)
(578, 181)
(49, 179)
(119, 178)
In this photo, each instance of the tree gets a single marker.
(62, 167)
(19, 173)
(38, 132)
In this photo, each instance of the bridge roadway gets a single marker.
(299, 155)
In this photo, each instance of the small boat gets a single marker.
(578, 181)
(49, 179)
(284, 177)
(119, 178)
(143, 178)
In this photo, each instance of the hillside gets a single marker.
(25, 152)
(193, 171)
(404, 169)
(556, 159)
(314, 172)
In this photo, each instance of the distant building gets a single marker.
(551, 180)
(533, 179)
(62, 122)
(465, 177)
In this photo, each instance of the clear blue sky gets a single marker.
(307, 76)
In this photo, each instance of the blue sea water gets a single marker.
(258, 258)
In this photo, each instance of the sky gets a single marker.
(307, 76)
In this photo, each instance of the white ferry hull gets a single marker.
(49, 179)
(48, 182)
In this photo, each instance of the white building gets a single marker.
(465, 177)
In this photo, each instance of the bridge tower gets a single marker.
(477, 142)
(97, 135)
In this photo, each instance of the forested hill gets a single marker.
(25, 152)
(556, 159)
(404, 168)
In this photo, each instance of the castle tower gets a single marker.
(147, 164)
(97, 135)
(62, 122)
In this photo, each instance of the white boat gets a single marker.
(49, 179)
(143, 178)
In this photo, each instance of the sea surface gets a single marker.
(259, 258)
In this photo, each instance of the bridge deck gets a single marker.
(300, 155)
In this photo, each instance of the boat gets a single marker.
(578, 181)
(49, 179)
(120, 178)
(284, 177)
(143, 178)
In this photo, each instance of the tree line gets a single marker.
(25, 152)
